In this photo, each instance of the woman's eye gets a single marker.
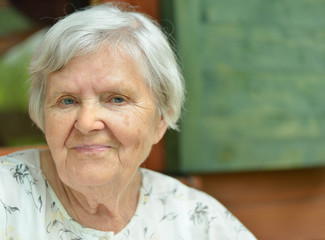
(67, 101)
(117, 100)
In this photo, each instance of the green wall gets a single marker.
(255, 74)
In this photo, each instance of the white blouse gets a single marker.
(167, 209)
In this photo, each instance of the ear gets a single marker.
(160, 130)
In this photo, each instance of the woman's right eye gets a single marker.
(66, 102)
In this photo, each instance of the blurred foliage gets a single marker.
(14, 74)
(31, 140)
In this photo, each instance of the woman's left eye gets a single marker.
(117, 100)
(67, 101)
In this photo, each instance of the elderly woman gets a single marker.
(105, 86)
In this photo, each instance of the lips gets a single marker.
(91, 148)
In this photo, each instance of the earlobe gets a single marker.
(161, 129)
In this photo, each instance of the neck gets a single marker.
(105, 208)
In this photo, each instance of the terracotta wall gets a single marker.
(286, 204)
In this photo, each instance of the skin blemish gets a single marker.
(126, 120)
(137, 144)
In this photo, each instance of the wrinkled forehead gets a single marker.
(100, 71)
(130, 52)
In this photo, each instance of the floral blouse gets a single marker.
(167, 209)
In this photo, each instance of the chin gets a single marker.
(90, 175)
(91, 181)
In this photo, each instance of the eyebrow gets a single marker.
(58, 93)
(131, 93)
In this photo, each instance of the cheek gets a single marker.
(57, 128)
(135, 131)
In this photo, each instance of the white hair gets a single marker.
(85, 31)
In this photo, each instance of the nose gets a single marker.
(89, 119)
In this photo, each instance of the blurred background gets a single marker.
(253, 130)
(22, 24)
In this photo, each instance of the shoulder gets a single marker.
(159, 184)
(175, 197)
(28, 157)
(20, 165)
(21, 192)
(176, 205)
(19, 171)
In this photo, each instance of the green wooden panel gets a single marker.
(175, 12)
(255, 74)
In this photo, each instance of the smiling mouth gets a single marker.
(91, 148)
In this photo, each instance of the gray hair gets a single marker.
(85, 31)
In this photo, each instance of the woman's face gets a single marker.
(100, 119)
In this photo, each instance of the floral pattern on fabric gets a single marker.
(167, 209)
